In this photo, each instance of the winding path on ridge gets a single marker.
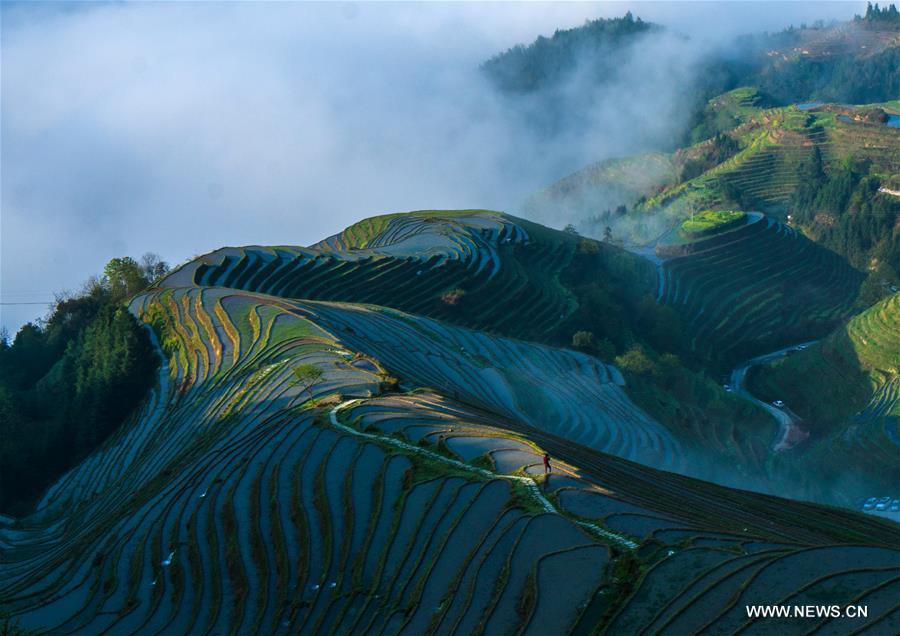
(786, 419)
(529, 483)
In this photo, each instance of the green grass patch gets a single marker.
(360, 234)
(711, 221)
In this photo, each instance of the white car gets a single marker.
(727, 387)
(802, 347)
(870, 503)
(895, 505)
(778, 403)
(883, 504)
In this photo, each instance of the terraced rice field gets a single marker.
(876, 143)
(739, 305)
(874, 432)
(602, 186)
(571, 394)
(769, 175)
(864, 354)
(876, 335)
(775, 144)
(508, 278)
(230, 504)
(226, 505)
(240, 499)
(778, 141)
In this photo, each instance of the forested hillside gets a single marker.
(858, 416)
(600, 44)
(68, 382)
(854, 63)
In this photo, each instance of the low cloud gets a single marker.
(178, 128)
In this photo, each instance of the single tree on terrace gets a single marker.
(306, 376)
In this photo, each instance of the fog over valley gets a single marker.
(179, 128)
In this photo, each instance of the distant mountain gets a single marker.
(854, 62)
(601, 45)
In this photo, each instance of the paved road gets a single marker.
(785, 418)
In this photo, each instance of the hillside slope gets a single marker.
(758, 159)
(856, 418)
(755, 288)
(861, 359)
(477, 268)
(823, 175)
(603, 186)
(849, 62)
(243, 498)
(504, 275)
(572, 395)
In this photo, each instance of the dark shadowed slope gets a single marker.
(755, 288)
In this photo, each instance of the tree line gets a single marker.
(68, 381)
(843, 210)
(547, 61)
(875, 14)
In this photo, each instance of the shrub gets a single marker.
(453, 296)
(636, 361)
(711, 221)
(389, 383)
(583, 340)
(590, 246)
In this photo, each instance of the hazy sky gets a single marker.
(178, 127)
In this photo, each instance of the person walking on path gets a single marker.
(547, 468)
